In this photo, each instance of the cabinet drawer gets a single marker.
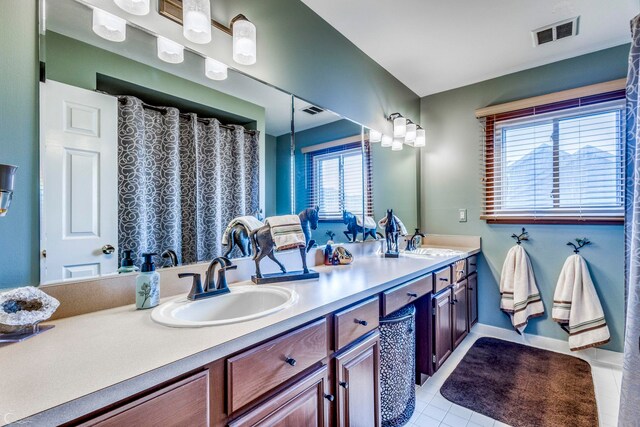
(441, 279)
(256, 371)
(354, 322)
(398, 297)
(184, 403)
(459, 270)
(472, 264)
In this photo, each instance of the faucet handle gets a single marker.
(196, 286)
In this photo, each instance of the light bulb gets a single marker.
(108, 26)
(244, 42)
(215, 70)
(196, 20)
(134, 7)
(421, 138)
(399, 127)
(170, 51)
(374, 136)
(387, 141)
(410, 136)
(397, 145)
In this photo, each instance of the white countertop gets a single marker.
(87, 362)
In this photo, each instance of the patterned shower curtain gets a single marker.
(630, 396)
(181, 180)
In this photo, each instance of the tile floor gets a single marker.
(433, 410)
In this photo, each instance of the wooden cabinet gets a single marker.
(358, 385)
(460, 312)
(442, 327)
(472, 296)
(184, 403)
(407, 293)
(441, 279)
(356, 321)
(304, 403)
(254, 372)
(472, 264)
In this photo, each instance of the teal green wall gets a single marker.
(270, 164)
(450, 180)
(19, 232)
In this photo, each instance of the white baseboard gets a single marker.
(590, 354)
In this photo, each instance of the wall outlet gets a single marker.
(462, 215)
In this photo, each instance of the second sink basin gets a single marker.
(241, 304)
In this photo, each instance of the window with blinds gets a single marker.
(559, 163)
(337, 180)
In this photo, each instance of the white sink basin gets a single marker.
(241, 304)
(435, 252)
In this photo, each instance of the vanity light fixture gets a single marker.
(196, 18)
(421, 138)
(170, 51)
(410, 135)
(397, 145)
(108, 26)
(215, 70)
(399, 127)
(134, 7)
(375, 136)
(386, 141)
(244, 40)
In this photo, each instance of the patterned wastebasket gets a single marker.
(397, 366)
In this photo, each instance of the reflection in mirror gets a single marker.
(142, 155)
(328, 169)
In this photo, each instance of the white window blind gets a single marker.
(564, 165)
(335, 178)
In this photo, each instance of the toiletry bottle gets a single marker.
(126, 264)
(147, 284)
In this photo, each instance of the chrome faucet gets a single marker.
(211, 288)
(411, 246)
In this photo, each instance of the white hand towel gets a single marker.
(520, 297)
(402, 228)
(286, 231)
(576, 302)
(369, 222)
(250, 223)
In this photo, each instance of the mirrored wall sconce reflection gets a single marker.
(134, 7)
(7, 176)
(215, 70)
(109, 26)
(397, 144)
(170, 51)
(386, 141)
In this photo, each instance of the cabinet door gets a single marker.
(442, 327)
(460, 316)
(304, 403)
(472, 295)
(358, 384)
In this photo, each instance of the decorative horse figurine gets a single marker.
(353, 229)
(238, 236)
(264, 246)
(391, 232)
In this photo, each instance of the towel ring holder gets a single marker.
(581, 243)
(520, 238)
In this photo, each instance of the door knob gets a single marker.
(108, 249)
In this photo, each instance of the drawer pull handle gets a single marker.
(329, 397)
(444, 279)
(361, 322)
(454, 302)
(473, 264)
(412, 294)
(291, 361)
(344, 384)
(470, 289)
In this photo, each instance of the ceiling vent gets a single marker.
(554, 32)
(312, 110)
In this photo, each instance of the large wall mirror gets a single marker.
(145, 155)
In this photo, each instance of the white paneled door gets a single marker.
(79, 179)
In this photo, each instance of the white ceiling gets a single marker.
(435, 45)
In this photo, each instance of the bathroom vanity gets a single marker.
(316, 360)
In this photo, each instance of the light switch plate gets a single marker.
(462, 215)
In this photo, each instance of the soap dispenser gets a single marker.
(126, 264)
(147, 284)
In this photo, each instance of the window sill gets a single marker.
(555, 220)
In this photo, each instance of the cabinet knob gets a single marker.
(470, 289)
(329, 397)
(291, 361)
(412, 294)
(344, 384)
(361, 322)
